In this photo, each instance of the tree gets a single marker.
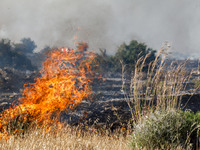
(26, 46)
(10, 57)
(129, 54)
(45, 50)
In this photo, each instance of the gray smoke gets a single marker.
(104, 23)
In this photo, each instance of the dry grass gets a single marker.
(68, 138)
(157, 88)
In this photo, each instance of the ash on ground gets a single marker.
(107, 108)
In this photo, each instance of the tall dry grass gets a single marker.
(156, 87)
(67, 138)
(159, 87)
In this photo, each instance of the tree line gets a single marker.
(16, 55)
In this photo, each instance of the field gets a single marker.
(141, 111)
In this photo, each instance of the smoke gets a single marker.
(104, 23)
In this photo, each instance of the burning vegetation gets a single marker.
(149, 85)
(64, 82)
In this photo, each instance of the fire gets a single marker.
(65, 81)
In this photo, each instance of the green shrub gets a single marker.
(162, 130)
(192, 117)
(193, 120)
(197, 84)
(130, 53)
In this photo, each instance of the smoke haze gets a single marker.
(104, 23)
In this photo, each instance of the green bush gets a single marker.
(197, 84)
(192, 117)
(130, 53)
(127, 54)
(163, 130)
(193, 120)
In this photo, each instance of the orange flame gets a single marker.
(65, 81)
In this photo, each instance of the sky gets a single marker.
(104, 23)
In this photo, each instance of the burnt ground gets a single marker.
(107, 108)
(110, 109)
